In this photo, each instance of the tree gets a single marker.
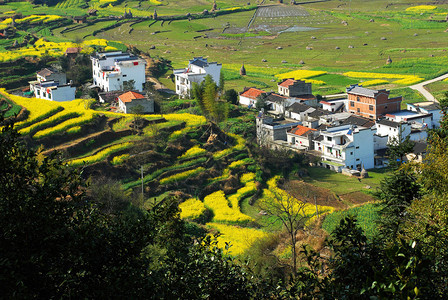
(397, 193)
(398, 149)
(206, 94)
(261, 102)
(231, 96)
(221, 82)
(290, 212)
(129, 85)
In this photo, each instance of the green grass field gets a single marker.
(342, 184)
(367, 215)
(341, 36)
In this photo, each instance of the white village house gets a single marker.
(51, 84)
(53, 90)
(346, 146)
(249, 96)
(196, 71)
(114, 71)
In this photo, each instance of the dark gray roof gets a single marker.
(434, 106)
(359, 121)
(359, 90)
(319, 138)
(272, 97)
(318, 113)
(200, 62)
(298, 107)
(388, 123)
(419, 147)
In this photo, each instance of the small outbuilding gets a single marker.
(128, 102)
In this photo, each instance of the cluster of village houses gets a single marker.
(349, 133)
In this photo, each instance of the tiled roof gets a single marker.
(318, 113)
(301, 130)
(275, 98)
(298, 108)
(359, 90)
(129, 96)
(199, 61)
(386, 122)
(359, 121)
(287, 83)
(46, 72)
(252, 93)
(72, 50)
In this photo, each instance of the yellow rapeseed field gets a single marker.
(402, 79)
(219, 204)
(239, 238)
(421, 8)
(300, 74)
(193, 151)
(191, 209)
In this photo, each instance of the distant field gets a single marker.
(333, 36)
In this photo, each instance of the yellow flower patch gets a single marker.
(181, 176)
(374, 82)
(118, 160)
(421, 8)
(240, 239)
(247, 177)
(191, 209)
(218, 203)
(402, 79)
(300, 74)
(100, 155)
(192, 152)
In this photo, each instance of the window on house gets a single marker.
(49, 96)
(37, 92)
(352, 103)
(358, 110)
(329, 138)
(118, 79)
(124, 75)
(357, 147)
(44, 94)
(351, 153)
(357, 159)
(370, 107)
(385, 107)
(358, 99)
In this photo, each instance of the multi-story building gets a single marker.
(371, 103)
(114, 71)
(51, 74)
(52, 90)
(346, 146)
(196, 71)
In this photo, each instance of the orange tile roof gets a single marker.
(287, 82)
(252, 93)
(301, 130)
(129, 96)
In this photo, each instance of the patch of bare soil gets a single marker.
(307, 192)
(356, 198)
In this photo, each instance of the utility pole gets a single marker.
(141, 169)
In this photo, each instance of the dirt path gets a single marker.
(157, 84)
(420, 87)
